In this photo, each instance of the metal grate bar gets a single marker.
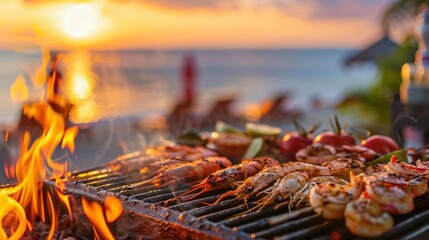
(247, 217)
(163, 197)
(270, 221)
(288, 227)
(209, 209)
(222, 214)
(193, 204)
(306, 233)
(143, 195)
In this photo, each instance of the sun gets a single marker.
(80, 20)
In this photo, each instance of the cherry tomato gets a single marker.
(333, 139)
(292, 142)
(380, 144)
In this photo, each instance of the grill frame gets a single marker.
(146, 217)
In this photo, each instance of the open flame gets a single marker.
(25, 199)
(25, 202)
(19, 90)
(94, 212)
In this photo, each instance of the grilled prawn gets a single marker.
(253, 185)
(342, 167)
(391, 196)
(330, 199)
(394, 166)
(365, 218)
(417, 185)
(226, 178)
(300, 198)
(316, 154)
(189, 171)
(284, 188)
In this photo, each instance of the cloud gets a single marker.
(173, 4)
(317, 9)
(333, 9)
(190, 4)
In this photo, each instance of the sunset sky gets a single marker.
(167, 24)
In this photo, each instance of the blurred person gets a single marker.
(189, 78)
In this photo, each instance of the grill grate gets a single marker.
(229, 219)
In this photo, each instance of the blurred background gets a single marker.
(131, 68)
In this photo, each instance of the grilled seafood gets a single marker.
(284, 187)
(376, 168)
(342, 167)
(390, 195)
(394, 166)
(330, 199)
(417, 185)
(300, 198)
(253, 185)
(361, 153)
(190, 153)
(189, 171)
(227, 177)
(421, 164)
(365, 218)
(316, 154)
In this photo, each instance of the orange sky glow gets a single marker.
(159, 24)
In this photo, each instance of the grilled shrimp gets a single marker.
(365, 218)
(284, 187)
(316, 154)
(253, 185)
(330, 199)
(189, 171)
(417, 185)
(341, 167)
(421, 164)
(300, 198)
(361, 153)
(391, 196)
(394, 166)
(190, 153)
(376, 168)
(226, 178)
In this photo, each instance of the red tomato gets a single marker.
(333, 139)
(292, 142)
(380, 144)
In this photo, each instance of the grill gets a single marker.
(146, 216)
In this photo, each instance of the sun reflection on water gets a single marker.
(79, 86)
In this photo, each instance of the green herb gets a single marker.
(401, 154)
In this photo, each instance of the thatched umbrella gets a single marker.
(372, 53)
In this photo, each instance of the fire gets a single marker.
(19, 90)
(23, 203)
(9, 170)
(40, 76)
(26, 199)
(68, 140)
(94, 212)
(113, 208)
(9, 206)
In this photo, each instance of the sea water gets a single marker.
(116, 84)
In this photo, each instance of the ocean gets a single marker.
(116, 84)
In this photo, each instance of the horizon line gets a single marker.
(179, 49)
